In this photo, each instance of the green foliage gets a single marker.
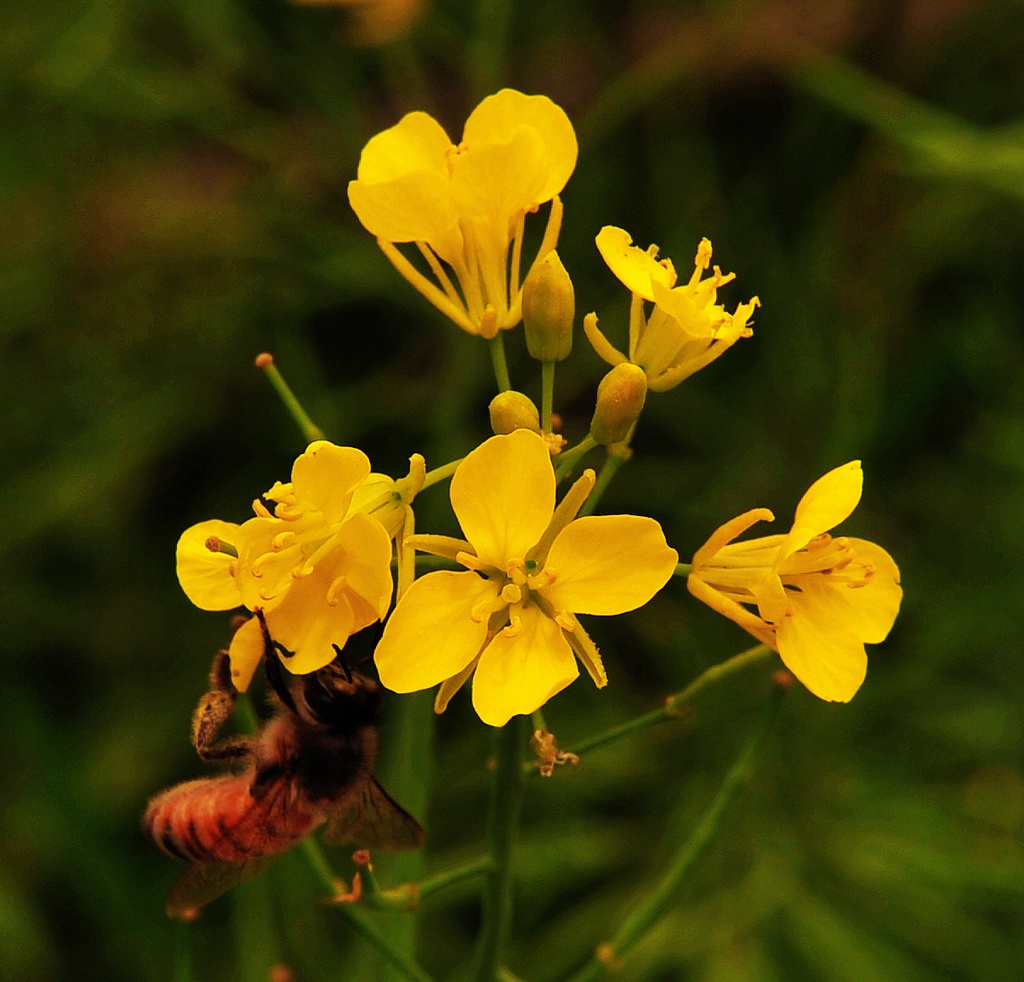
(172, 183)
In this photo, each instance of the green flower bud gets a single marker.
(549, 306)
(620, 397)
(513, 411)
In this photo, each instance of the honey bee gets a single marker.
(311, 763)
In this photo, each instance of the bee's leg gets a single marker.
(272, 664)
(211, 713)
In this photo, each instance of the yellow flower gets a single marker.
(319, 566)
(819, 598)
(687, 329)
(511, 617)
(466, 205)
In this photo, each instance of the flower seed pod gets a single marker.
(620, 397)
(513, 411)
(549, 306)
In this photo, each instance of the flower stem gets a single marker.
(655, 902)
(675, 705)
(683, 569)
(440, 473)
(449, 877)
(503, 832)
(547, 394)
(310, 431)
(358, 919)
(497, 347)
(612, 462)
(567, 460)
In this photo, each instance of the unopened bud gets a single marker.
(549, 306)
(513, 411)
(620, 397)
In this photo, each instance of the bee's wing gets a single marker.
(203, 882)
(372, 819)
(249, 832)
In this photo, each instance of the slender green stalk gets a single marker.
(503, 832)
(567, 460)
(358, 919)
(683, 569)
(675, 705)
(440, 473)
(310, 431)
(497, 348)
(405, 770)
(653, 903)
(612, 462)
(547, 394)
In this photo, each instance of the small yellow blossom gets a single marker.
(687, 329)
(819, 598)
(510, 618)
(318, 566)
(466, 205)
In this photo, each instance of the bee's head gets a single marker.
(338, 698)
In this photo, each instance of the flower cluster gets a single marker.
(315, 560)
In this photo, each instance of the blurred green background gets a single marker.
(172, 191)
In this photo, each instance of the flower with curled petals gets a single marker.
(509, 619)
(318, 566)
(465, 206)
(687, 328)
(818, 598)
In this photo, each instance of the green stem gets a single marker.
(655, 902)
(503, 832)
(547, 394)
(310, 431)
(612, 462)
(675, 705)
(358, 919)
(446, 878)
(683, 569)
(497, 349)
(440, 473)
(567, 460)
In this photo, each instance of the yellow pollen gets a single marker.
(514, 626)
(261, 509)
(301, 572)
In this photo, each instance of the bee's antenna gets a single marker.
(341, 659)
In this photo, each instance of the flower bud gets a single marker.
(549, 306)
(620, 397)
(513, 411)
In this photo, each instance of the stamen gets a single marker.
(215, 544)
(566, 620)
(514, 626)
(334, 589)
(261, 509)
(282, 540)
(543, 579)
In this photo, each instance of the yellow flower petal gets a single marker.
(365, 566)
(503, 495)
(416, 143)
(496, 119)
(637, 269)
(431, 634)
(824, 655)
(519, 673)
(326, 475)
(827, 502)
(305, 624)
(205, 576)
(245, 653)
(608, 564)
(500, 181)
